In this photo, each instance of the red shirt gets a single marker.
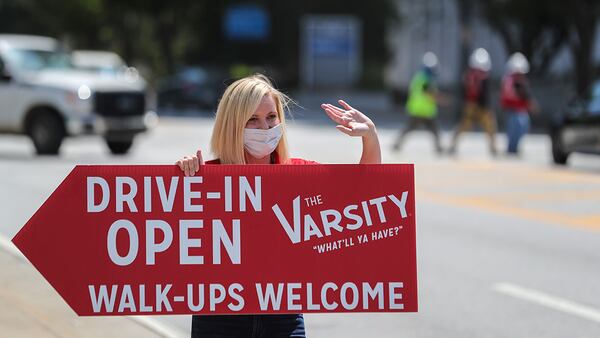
(514, 94)
(475, 89)
(291, 161)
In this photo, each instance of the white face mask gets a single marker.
(260, 142)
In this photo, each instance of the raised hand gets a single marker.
(350, 120)
(354, 123)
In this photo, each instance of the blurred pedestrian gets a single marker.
(250, 129)
(422, 104)
(516, 100)
(477, 100)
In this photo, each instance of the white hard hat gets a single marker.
(430, 60)
(480, 59)
(517, 63)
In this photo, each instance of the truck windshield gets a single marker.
(594, 104)
(30, 60)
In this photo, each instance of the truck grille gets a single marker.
(119, 104)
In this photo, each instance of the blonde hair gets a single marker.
(238, 103)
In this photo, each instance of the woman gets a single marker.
(250, 129)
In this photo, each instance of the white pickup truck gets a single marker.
(44, 96)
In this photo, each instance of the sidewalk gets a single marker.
(30, 307)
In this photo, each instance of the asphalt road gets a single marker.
(507, 247)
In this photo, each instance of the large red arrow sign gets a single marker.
(123, 240)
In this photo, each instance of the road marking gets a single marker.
(514, 172)
(526, 179)
(150, 323)
(551, 196)
(549, 301)
(482, 203)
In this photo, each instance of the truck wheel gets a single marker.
(558, 153)
(120, 146)
(47, 132)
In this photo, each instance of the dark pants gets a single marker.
(248, 326)
(413, 123)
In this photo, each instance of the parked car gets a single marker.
(98, 61)
(44, 96)
(577, 128)
(191, 87)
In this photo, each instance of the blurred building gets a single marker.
(435, 25)
(330, 51)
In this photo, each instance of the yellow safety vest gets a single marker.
(420, 102)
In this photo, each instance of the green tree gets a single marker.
(583, 17)
(167, 34)
(535, 29)
(539, 29)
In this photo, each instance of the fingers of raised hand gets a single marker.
(360, 117)
(356, 114)
(345, 105)
(330, 109)
(337, 117)
(337, 109)
(345, 130)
